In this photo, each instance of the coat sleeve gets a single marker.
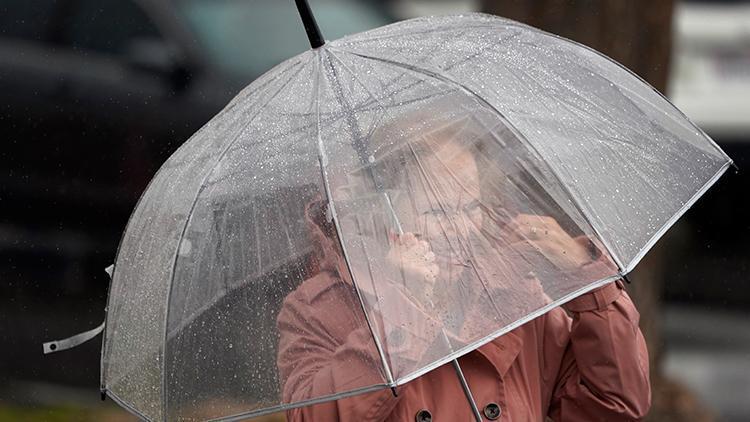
(604, 374)
(330, 370)
(316, 360)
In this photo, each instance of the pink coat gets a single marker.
(592, 366)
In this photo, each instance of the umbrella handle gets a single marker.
(311, 26)
(467, 391)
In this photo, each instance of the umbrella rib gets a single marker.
(259, 84)
(189, 218)
(322, 160)
(531, 146)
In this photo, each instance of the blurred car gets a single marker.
(96, 94)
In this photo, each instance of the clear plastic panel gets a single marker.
(454, 228)
(132, 367)
(631, 159)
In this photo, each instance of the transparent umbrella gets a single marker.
(438, 171)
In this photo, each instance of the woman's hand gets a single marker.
(546, 236)
(412, 261)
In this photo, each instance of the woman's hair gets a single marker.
(323, 235)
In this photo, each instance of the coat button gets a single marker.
(424, 415)
(492, 411)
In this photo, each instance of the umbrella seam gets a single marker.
(334, 217)
(188, 219)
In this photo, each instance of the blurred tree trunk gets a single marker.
(638, 34)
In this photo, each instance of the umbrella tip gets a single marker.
(311, 26)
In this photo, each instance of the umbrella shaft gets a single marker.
(467, 391)
(311, 26)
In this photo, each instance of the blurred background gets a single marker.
(96, 94)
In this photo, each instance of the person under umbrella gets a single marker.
(586, 361)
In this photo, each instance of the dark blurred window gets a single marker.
(26, 19)
(107, 26)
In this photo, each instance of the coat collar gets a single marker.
(503, 351)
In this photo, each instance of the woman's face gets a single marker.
(443, 200)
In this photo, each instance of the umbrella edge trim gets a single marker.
(289, 406)
(510, 327)
(676, 216)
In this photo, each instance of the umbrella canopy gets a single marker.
(480, 140)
